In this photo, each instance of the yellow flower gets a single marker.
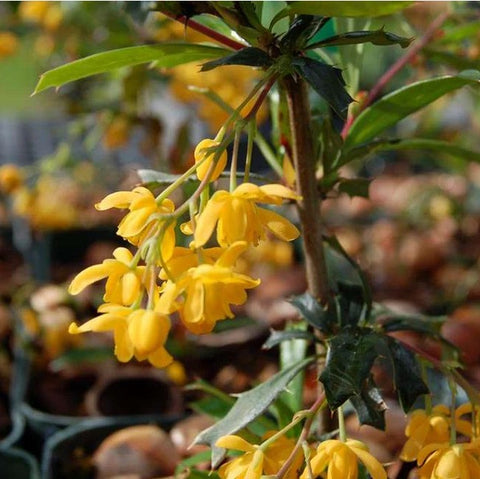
(423, 429)
(8, 44)
(257, 462)
(141, 333)
(240, 219)
(143, 218)
(200, 153)
(11, 177)
(208, 291)
(124, 283)
(33, 12)
(444, 461)
(341, 459)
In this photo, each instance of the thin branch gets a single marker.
(228, 42)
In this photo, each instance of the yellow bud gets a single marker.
(200, 154)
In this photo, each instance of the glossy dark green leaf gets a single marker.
(249, 56)
(303, 28)
(326, 80)
(350, 356)
(376, 37)
(313, 312)
(343, 9)
(248, 406)
(369, 405)
(277, 337)
(397, 105)
(406, 375)
(441, 146)
(354, 187)
(164, 55)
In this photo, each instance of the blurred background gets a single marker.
(417, 236)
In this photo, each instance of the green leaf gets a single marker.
(74, 357)
(349, 359)
(354, 187)
(326, 80)
(249, 406)
(331, 143)
(291, 352)
(343, 9)
(194, 460)
(249, 56)
(369, 405)
(313, 312)
(277, 337)
(376, 37)
(397, 105)
(444, 147)
(164, 55)
(406, 375)
(303, 28)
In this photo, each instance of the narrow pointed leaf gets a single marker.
(277, 337)
(313, 312)
(250, 56)
(443, 147)
(164, 55)
(397, 105)
(376, 37)
(248, 407)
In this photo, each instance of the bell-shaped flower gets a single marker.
(124, 283)
(238, 217)
(207, 291)
(258, 461)
(423, 429)
(335, 459)
(137, 333)
(201, 152)
(445, 461)
(144, 217)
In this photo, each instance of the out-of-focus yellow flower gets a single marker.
(144, 219)
(11, 176)
(44, 45)
(33, 12)
(240, 219)
(47, 14)
(8, 44)
(208, 291)
(117, 133)
(257, 462)
(176, 372)
(423, 429)
(124, 283)
(139, 333)
(340, 459)
(200, 153)
(445, 461)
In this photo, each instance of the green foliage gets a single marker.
(249, 406)
(250, 56)
(397, 105)
(376, 37)
(327, 81)
(164, 55)
(343, 9)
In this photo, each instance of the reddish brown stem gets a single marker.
(396, 67)
(228, 42)
(261, 98)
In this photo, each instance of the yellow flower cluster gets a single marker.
(8, 44)
(332, 459)
(47, 14)
(199, 284)
(430, 444)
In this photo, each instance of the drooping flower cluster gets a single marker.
(431, 443)
(199, 284)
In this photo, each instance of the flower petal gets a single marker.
(87, 277)
(374, 467)
(119, 199)
(278, 225)
(235, 442)
(209, 217)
